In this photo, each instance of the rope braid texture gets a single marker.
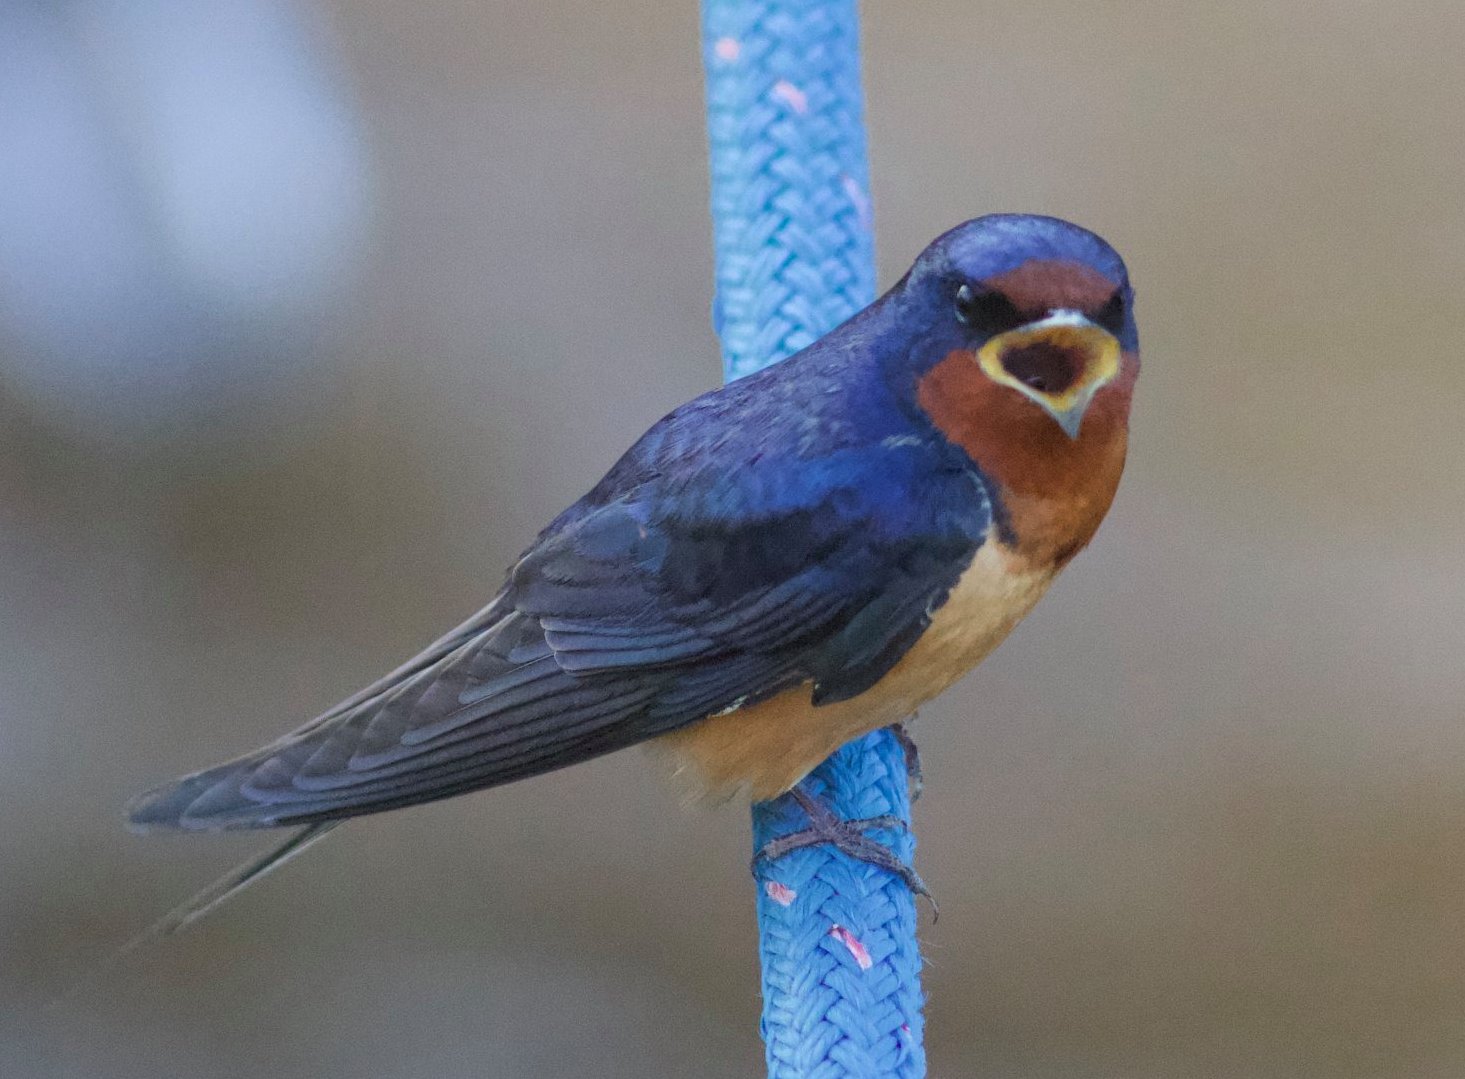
(795, 257)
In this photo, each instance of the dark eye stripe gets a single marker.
(988, 311)
(1111, 315)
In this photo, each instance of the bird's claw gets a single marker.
(847, 837)
(915, 778)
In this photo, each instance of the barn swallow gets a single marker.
(774, 568)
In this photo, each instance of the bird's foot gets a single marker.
(846, 836)
(915, 778)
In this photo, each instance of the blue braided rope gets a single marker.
(795, 257)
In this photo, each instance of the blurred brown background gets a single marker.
(1204, 815)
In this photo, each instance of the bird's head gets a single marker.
(1020, 348)
(1035, 314)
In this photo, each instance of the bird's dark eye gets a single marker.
(990, 312)
(1111, 315)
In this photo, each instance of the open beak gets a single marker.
(1059, 363)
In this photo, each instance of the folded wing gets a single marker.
(644, 612)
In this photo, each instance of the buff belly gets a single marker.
(766, 748)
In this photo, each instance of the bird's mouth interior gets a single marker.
(1046, 366)
(1059, 362)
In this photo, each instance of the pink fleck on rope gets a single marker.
(791, 96)
(852, 942)
(781, 894)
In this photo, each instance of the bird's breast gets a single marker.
(766, 748)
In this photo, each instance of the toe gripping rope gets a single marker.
(795, 257)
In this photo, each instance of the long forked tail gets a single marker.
(230, 885)
(221, 890)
